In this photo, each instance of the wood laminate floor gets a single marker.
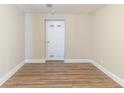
(60, 75)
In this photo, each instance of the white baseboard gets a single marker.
(11, 73)
(77, 61)
(109, 73)
(34, 60)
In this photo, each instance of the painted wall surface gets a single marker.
(11, 38)
(108, 38)
(28, 36)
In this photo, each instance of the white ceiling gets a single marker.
(61, 8)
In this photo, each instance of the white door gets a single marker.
(55, 33)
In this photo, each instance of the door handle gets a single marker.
(48, 41)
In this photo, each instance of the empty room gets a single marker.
(62, 45)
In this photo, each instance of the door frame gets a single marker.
(46, 37)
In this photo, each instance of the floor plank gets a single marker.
(60, 75)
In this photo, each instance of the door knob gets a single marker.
(48, 41)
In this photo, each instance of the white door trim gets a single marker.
(46, 36)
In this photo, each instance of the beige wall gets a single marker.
(38, 37)
(108, 38)
(11, 38)
(77, 35)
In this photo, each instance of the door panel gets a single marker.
(55, 36)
